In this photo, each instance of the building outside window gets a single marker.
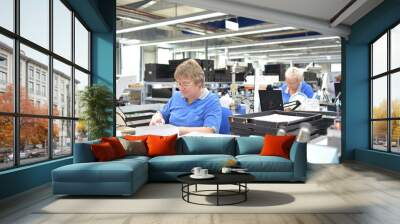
(3, 71)
(30, 87)
(55, 96)
(30, 72)
(43, 90)
(37, 74)
(38, 89)
(44, 77)
(3, 78)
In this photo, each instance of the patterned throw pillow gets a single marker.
(134, 147)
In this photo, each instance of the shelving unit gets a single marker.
(156, 99)
(137, 115)
(149, 86)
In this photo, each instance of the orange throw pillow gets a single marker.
(103, 152)
(277, 145)
(136, 137)
(161, 145)
(116, 145)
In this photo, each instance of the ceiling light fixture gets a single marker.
(215, 36)
(130, 19)
(281, 49)
(272, 42)
(172, 21)
(276, 42)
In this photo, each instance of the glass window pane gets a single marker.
(395, 47)
(81, 45)
(35, 21)
(62, 138)
(62, 29)
(81, 131)
(6, 142)
(395, 94)
(379, 135)
(6, 74)
(379, 56)
(62, 89)
(379, 98)
(33, 139)
(81, 81)
(7, 14)
(395, 136)
(34, 96)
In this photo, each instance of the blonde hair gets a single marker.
(295, 73)
(192, 70)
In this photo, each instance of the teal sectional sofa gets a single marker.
(125, 176)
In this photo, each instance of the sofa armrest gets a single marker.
(83, 152)
(298, 155)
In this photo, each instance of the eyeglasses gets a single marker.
(184, 84)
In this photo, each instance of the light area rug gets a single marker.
(166, 198)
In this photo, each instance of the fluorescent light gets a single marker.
(231, 25)
(306, 57)
(280, 55)
(130, 19)
(276, 42)
(309, 57)
(216, 36)
(148, 4)
(172, 21)
(274, 50)
(123, 39)
(271, 42)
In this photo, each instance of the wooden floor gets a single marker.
(378, 189)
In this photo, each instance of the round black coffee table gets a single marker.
(238, 179)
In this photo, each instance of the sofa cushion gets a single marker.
(197, 145)
(257, 163)
(249, 145)
(131, 158)
(112, 171)
(185, 163)
(83, 152)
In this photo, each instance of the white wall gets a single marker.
(130, 61)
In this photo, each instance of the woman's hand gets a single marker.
(157, 119)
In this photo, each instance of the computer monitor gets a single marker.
(270, 100)
(338, 88)
(310, 76)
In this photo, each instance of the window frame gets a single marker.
(15, 71)
(388, 74)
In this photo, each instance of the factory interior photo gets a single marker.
(212, 111)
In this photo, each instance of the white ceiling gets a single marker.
(313, 15)
(305, 15)
(320, 9)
